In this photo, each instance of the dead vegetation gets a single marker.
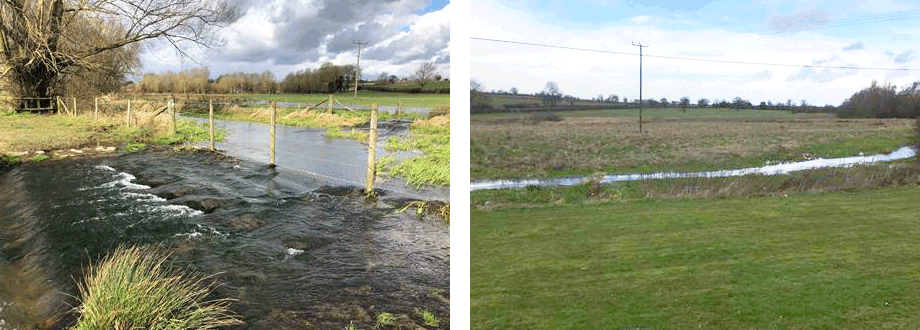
(583, 145)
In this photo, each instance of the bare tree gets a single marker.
(44, 41)
(684, 103)
(551, 94)
(514, 90)
(425, 73)
(478, 98)
(702, 103)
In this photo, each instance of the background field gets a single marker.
(364, 98)
(582, 142)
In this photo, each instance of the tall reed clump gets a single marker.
(133, 289)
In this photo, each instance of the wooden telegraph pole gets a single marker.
(640, 82)
(358, 66)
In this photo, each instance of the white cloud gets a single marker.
(587, 74)
(639, 19)
(287, 35)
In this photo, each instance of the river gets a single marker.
(291, 248)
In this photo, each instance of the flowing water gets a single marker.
(775, 169)
(307, 150)
(287, 246)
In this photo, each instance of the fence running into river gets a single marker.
(143, 112)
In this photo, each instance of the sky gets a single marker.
(865, 34)
(284, 36)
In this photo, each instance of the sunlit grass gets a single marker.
(132, 288)
(385, 319)
(432, 138)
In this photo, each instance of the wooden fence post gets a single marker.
(211, 122)
(128, 117)
(329, 104)
(172, 116)
(95, 107)
(272, 136)
(74, 112)
(399, 109)
(57, 101)
(371, 152)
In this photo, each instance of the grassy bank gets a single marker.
(580, 143)
(842, 260)
(30, 132)
(432, 138)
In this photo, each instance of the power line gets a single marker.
(848, 22)
(693, 59)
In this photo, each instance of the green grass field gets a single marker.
(844, 260)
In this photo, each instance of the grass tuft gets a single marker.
(429, 318)
(133, 289)
(385, 319)
(337, 133)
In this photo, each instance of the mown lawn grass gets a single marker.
(844, 260)
(581, 145)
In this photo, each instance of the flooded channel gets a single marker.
(774, 169)
(296, 251)
(308, 151)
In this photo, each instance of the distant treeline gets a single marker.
(328, 78)
(410, 88)
(883, 101)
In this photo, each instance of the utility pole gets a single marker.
(640, 82)
(358, 68)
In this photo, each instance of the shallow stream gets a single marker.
(774, 169)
